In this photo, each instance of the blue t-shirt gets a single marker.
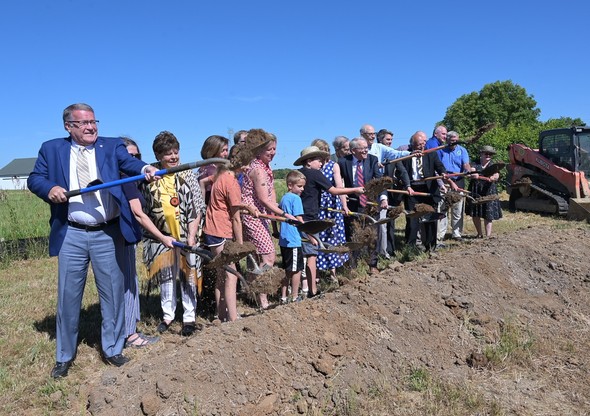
(453, 159)
(289, 235)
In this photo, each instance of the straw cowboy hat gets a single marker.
(310, 152)
(488, 149)
(257, 139)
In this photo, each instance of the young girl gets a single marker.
(223, 221)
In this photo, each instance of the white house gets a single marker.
(15, 174)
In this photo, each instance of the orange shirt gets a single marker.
(225, 193)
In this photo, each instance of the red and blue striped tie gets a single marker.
(360, 180)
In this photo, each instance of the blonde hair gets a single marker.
(294, 176)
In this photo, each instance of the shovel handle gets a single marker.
(162, 172)
(399, 191)
(194, 249)
(281, 219)
(341, 211)
(411, 155)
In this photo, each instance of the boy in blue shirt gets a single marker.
(290, 239)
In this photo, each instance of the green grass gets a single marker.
(515, 345)
(22, 215)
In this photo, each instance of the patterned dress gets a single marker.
(490, 211)
(158, 258)
(257, 230)
(336, 234)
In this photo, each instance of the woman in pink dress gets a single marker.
(258, 191)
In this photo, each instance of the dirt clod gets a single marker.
(232, 252)
(268, 280)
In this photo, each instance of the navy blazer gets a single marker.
(370, 171)
(53, 168)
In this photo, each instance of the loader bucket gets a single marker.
(579, 209)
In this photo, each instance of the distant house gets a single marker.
(15, 174)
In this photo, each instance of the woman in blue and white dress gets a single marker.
(336, 234)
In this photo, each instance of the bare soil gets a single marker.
(491, 326)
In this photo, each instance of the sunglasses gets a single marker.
(136, 155)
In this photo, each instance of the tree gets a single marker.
(501, 102)
(562, 122)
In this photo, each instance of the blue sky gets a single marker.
(300, 69)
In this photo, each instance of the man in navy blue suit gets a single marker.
(358, 169)
(91, 227)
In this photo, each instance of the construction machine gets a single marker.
(552, 179)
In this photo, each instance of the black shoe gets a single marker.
(188, 330)
(61, 369)
(163, 327)
(317, 294)
(116, 360)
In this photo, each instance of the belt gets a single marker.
(96, 227)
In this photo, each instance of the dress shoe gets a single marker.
(116, 360)
(163, 327)
(188, 329)
(61, 369)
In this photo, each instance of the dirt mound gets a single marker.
(493, 326)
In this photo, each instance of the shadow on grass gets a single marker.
(89, 329)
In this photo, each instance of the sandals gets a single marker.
(140, 341)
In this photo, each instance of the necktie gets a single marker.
(419, 168)
(82, 168)
(360, 180)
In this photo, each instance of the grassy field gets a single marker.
(22, 215)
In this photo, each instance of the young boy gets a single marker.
(312, 160)
(289, 237)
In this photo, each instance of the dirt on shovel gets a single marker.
(232, 252)
(421, 210)
(484, 199)
(266, 279)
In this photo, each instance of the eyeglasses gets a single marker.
(362, 149)
(83, 123)
(488, 154)
(136, 155)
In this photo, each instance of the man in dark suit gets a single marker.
(397, 171)
(87, 228)
(418, 168)
(358, 169)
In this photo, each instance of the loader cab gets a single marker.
(568, 148)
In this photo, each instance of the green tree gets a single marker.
(561, 122)
(281, 173)
(501, 102)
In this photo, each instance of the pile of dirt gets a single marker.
(339, 354)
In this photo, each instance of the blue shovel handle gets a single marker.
(179, 168)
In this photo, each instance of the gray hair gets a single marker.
(364, 128)
(356, 142)
(438, 128)
(339, 142)
(75, 107)
(452, 133)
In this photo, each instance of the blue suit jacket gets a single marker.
(370, 171)
(53, 168)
